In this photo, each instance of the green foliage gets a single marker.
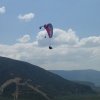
(80, 97)
(9, 90)
(68, 97)
(5, 98)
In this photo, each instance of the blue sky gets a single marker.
(76, 32)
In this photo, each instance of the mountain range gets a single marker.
(20, 79)
(89, 75)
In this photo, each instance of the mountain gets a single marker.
(24, 80)
(80, 75)
(86, 83)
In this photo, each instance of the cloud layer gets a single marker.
(24, 39)
(2, 9)
(26, 17)
(68, 51)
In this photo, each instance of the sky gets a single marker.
(76, 33)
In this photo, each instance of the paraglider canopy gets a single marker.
(45, 26)
(49, 29)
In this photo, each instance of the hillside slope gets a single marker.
(46, 82)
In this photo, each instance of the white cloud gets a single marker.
(26, 17)
(24, 39)
(90, 41)
(60, 37)
(2, 9)
(68, 51)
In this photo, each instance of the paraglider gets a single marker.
(45, 36)
(49, 29)
(50, 47)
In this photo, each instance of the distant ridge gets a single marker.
(44, 81)
(89, 75)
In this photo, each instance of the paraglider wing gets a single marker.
(49, 29)
(41, 27)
